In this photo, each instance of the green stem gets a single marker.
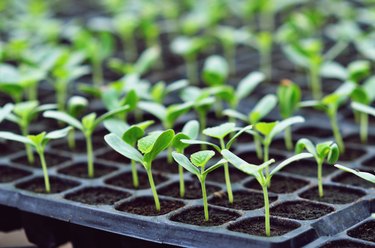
(320, 178)
(134, 174)
(45, 171)
(230, 55)
(227, 176)
(29, 150)
(169, 155)
(266, 158)
(98, 72)
(32, 92)
(219, 108)
(71, 139)
(203, 124)
(288, 138)
(265, 62)
(182, 181)
(90, 157)
(336, 133)
(153, 188)
(267, 222)
(191, 69)
(204, 197)
(364, 127)
(315, 82)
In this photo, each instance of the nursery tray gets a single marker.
(311, 221)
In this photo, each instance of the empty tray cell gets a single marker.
(146, 206)
(52, 160)
(97, 196)
(333, 194)
(9, 174)
(125, 180)
(280, 184)
(80, 170)
(58, 185)
(301, 210)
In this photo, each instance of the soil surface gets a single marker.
(242, 200)
(97, 196)
(351, 154)
(10, 148)
(195, 216)
(52, 160)
(348, 178)
(279, 184)
(146, 206)
(9, 174)
(301, 210)
(369, 162)
(218, 175)
(252, 158)
(162, 165)
(366, 231)
(355, 139)
(255, 226)
(192, 190)
(308, 168)
(313, 132)
(333, 194)
(125, 180)
(345, 243)
(80, 146)
(58, 185)
(80, 170)
(114, 157)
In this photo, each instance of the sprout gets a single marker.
(130, 135)
(264, 179)
(215, 71)
(199, 160)
(261, 109)
(220, 132)
(23, 114)
(38, 142)
(150, 146)
(326, 151)
(289, 95)
(189, 131)
(87, 126)
(364, 175)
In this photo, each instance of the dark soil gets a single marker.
(9, 174)
(369, 162)
(80, 146)
(279, 144)
(333, 194)
(162, 165)
(308, 168)
(80, 170)
(280, 184)
(343, 243)
(255, 226)
(355, 139)
(146, 206)
(252, 158)
(125, 180)
(218, 175)
(348, 178)
(97, 196)
(242, 200)
(10, 148)
(351, 154)
(58, 185)
(366, 231)
(301, 210)
(195, 216)
(192, 190)
(114, 157)
(313, 132)
(52, 160)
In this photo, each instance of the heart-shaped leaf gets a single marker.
(201, 158)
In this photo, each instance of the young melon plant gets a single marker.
(39, 143)
(264, 179)
(87, 126)
(76, 105)
(326, 151)
(189, 131)
(197, 166)
(150, 146)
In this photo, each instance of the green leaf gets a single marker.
(132, 135)
(248, 84)
(282, 125)
(158, 92)
(365, 175)
(184, 162)
(333, 154)
(358, 70)
(305, 143)
(246, 129)
(5, 111)
(146, 143)
(175, 111)
(63, 117)
(156, 109)
(215, 166)
(177, 85)
(110, 114)
(239, 163)
(265, 128)
(25, 108)
(88, 122)
(58, 133)
(264, 106)
(235, 114)
(191, 129)
(38, 139)
(147, 59)
(200, 142)
(220, 131)
(131, 100)
(123, 148)
(289, 161)
(289, 96)
(161, 143)
(76, 105)
(201, 158)
(116, 126)
(360, 95)
(363, 108)
(330, 69)
(177, 143)
(215, 70)
(15, 137)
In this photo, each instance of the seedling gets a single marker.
(39, 143)
(364, 111)
(326, 151)
(150, 146)
(23, 114)
(199, 160)
(87, 126)
(261, 109)
(76, 105)
(264, 179)
(215, 71)
(289, 95)
(189, 131)
(220, 132)
(125, 25)
(130, 135)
